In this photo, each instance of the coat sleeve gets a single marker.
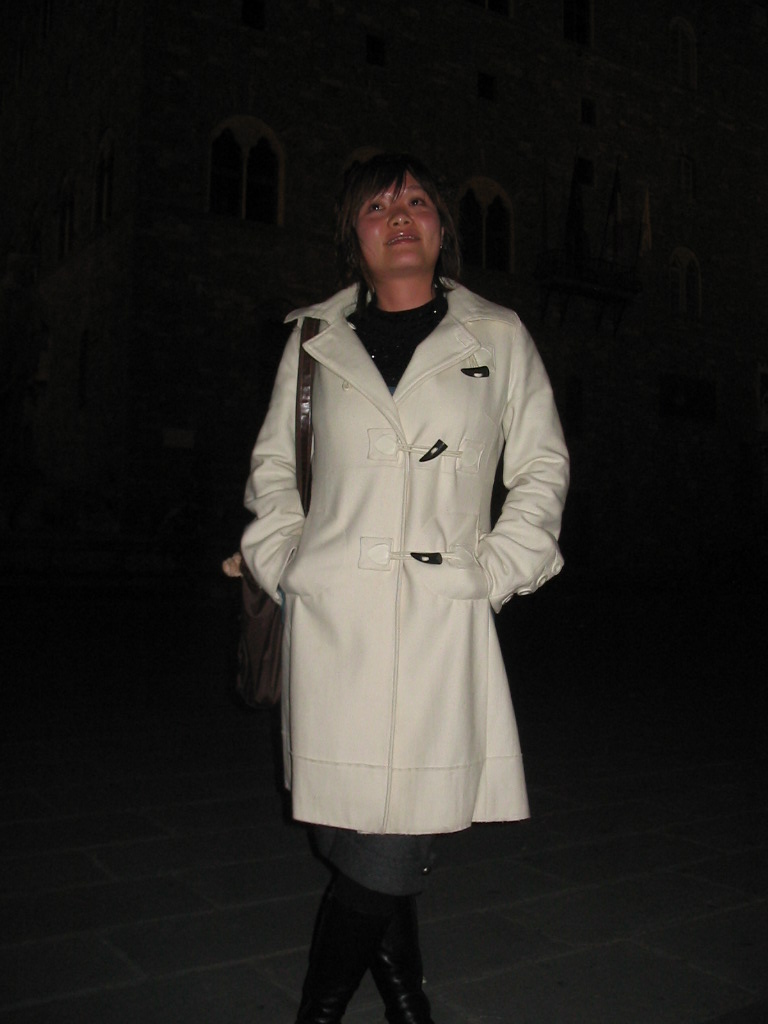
(521, 552)
(271, 494)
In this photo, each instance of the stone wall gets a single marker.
(164, 321)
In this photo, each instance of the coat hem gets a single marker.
(411, 801)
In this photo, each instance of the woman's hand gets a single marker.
(232, 566)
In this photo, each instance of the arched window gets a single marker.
(692, 290)
(485, 226)
(577, 21)
(471, 229)
(226, 175)
(685, 285)
(498, 6)
(102, 198)
(46, 11)
(83, 370)
(36, 239)
(246, 172)
(252, 13)
(682, 45)
(497, 236)
(687, 177)
(360, 155)
(261, 188)
(66, 220)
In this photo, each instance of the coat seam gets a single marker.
(396, 661)
(413, 769)
(435, 370)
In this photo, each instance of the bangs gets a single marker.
(377, 174)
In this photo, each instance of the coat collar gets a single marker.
(463, 304)
(338, 347)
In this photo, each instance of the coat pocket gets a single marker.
(308, 573)
(458, 577)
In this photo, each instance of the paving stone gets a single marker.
(18, 804)
(732, 944)
(75, 832)
(42, 766)
(631, 907)
(287, 971)
(255, 880)
(91, 907)
(41, 971)
(136, 792)
(624, 817)
(481, 841)
(755, 1013)
(175, 788)
(154, 837)
(611, 858)
(484, 885)
(101, 795)
(545, 800)
(161, 856)
(503, 840)
(728, 832)
(49, 871)
(480, 943)
(236, 994)
(486, 841)
(204, 940)
(215, 815)
(746, 870)
(614, 984)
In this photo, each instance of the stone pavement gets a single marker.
(149, 873)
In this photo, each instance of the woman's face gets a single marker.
(399, 235)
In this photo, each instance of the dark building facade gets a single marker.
(168, 172)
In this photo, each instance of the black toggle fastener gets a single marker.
(428, 557)
(437, 449)
(476, 371)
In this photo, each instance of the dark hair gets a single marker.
(363, 181)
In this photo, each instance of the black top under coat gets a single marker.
(391, 338)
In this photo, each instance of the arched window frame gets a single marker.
(253, 14)
(22, 57)
(84, 353)
(103, 182)
(46, 18)
(683, 53)
(686, 176)
(360, 156)
(502, 7)
(36, 236)
(486, 193)
(248, 132)
(578, 22)
(66, 219)
(685, 285)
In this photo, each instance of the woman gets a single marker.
(397, 718)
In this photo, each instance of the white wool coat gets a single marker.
(397, 716)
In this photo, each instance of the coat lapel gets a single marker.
(341, 351)
(448, 344)
(339, 348)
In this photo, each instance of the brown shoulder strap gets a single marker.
(309, 328)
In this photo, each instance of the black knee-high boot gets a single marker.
(343, 944)
(396, 967)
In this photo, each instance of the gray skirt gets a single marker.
(392, 864)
